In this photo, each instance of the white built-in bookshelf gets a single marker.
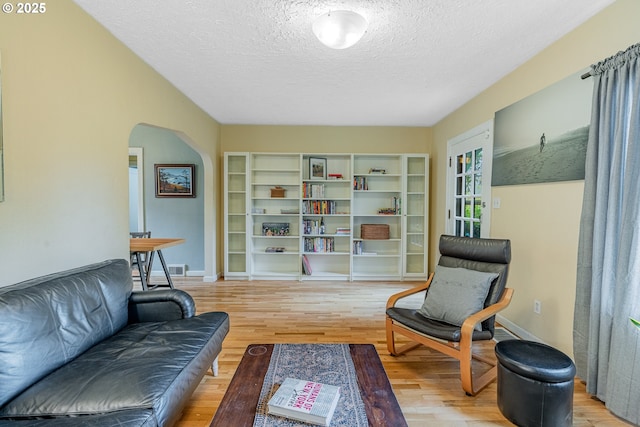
(313, 230)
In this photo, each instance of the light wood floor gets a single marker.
(426, 383)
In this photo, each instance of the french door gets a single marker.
(469, 182)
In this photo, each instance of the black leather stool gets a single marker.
(535, 384)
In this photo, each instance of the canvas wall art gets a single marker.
(543, 138)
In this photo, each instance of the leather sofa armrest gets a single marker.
(162, 305)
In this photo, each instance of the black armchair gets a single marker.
(461, 302)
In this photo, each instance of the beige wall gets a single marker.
(542, 220)
(71, 96)
(326, 139)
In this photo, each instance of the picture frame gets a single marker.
(317, 168)
(175, 180)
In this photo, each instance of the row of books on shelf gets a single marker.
(360, 183)
(314, 226)
(322, 207)
(319, 244)
(312, 190)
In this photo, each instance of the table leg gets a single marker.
(166, 270)
(149, 266)
(143, 276)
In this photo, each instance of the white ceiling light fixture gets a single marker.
(340, 29)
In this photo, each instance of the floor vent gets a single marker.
(502, 334)
(176, 269)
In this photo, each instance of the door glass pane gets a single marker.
(467, 185)
(476, 229)
(478, 184)
(468, 162)
(459, 163)
(478, 163)
(467, 229)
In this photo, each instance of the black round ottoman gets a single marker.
(535, 384)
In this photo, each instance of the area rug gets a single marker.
(325, 363)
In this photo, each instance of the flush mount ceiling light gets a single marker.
(340, 29)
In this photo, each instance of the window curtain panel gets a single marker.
(606, 343)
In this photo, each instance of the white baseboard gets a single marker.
(522, 333)
(195, 273)
(189, 273)
(211, 279)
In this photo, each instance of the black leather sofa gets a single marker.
(80, 348)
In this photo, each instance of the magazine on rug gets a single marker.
(306, 401)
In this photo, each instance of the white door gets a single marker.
(469, 182)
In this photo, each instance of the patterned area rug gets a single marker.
(325, 363)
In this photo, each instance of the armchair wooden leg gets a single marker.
(470, 386)
(391, 343)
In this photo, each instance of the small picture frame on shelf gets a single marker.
(175, 180)
(275, 229)
(317, 168)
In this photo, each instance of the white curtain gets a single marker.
(606, 344)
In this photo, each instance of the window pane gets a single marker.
(468, 185)
(477, 208)
(459, 162)
(467, 229)
(467, 208)
(458, 207)
(459, 186)
(478, 164)
(476, 229)
(468, 164)
(478, 186)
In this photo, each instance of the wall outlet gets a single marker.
(537, 306)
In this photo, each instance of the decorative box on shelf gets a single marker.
(277, 192)
(374, 231)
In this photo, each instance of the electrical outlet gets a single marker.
(537, 306)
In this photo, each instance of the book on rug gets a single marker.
(305, 401)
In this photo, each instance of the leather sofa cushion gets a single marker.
(145, 365)
(48, 321)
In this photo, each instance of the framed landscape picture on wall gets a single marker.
(175, 180)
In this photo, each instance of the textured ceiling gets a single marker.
(257, 61)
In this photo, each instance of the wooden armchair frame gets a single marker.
(462, 351)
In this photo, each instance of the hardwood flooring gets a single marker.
(426, 383)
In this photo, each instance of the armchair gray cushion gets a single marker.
(455, 294)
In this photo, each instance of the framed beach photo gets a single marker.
(175, 180)
(317, 168)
